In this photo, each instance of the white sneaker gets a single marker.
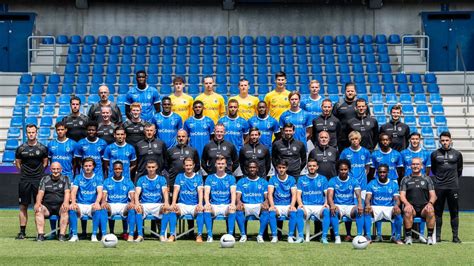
(74, 238)
(274, 239)
(430, 240)
(243, 239)
(299, 240)
(209, 239)
(423, 240)
(291, 239)
(260, 239)
(94, 238)
(338, 240)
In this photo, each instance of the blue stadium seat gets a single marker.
(129, 40)
(84, 69)
(16, 121)
(369, 58)
(330, 69)
(424, 121)
(274, 40)
(21, 99)
(420, 98)
(435, 98)
(327, 40)
(401, 78)
(379, 109)
(11, 144)
(315, 59)
(417, 88)
(288, 59)
(193, 69)
(314, 50)
(422, 109)
(152, 70)
(193, 79)
(168, 50)
(248, 60)
(340, 39)
(180, 41)
(208, 40)
(430, 78)
(249, 69)
(247, 50)
(405, 98)
(263, 89)
(40, 79)
(341, 49)
(377, 98)
(441, 129)
(70, 59)
(114, 50)
(67, 88)
(275, 59)
(83, 79)
(332, 89)
(373, 78)
(437, 109)
(222, 50)
(166, 79)
(303, 69)
(274, 69)
(432, 88)
(47, 121)
(375, 89)
(394, 39)
(410, 120)
(429, 144)
(381, 39)
(48, 110)
(64, 99)
(155, 40)
(73, 49)
(314, 40)
(142, 40)
(328, 49)
(111, 69)
(13, 132)
(102, 40)
(221, 59)
(152, 79)
(250, 78)
(115, 40)
(427, 132)
(382, 49)
(165, 89)
(140, 59)
(354, 49)
(342, 59)
(387, 78)
(371, 68)
(208, 59)
(381, 119)
(360, 88)
(289, 69)
(233, 68)
(301, 50)
(415, 78)
(75, 39)
(403, 88)
(290, 79)
(385, 68)
(62, 39)
(331, 79)
(44, 133)
(37, 89)
(193, 89)
(408, 109)
(383, 58)
(440, 120)
(367, 39)
(343, 69)
(234, 79)
(138, 68)
(87, 50)
(221, 40)
(357, 69)
(8, 156)
(155, 50)
(63, 110)
(70, 69)
(31, 120)
(262, 79)
(98, 69)
(23, 89)
(36, 99)
(194, 59)
(345, 78)
(354, 39)
(221, 79)
(368, 49)
(391, 98)
(122, 89)
(221, 89)
(100, 49)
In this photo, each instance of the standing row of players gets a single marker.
(231, 137)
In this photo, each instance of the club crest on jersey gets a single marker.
(399, 128)
(350, 186)
(37, 152)
(367, 123)
(422, 183)
(155, 145)
(186, 152)
(331, 123)
(148, 97)
(215, 101)
(389, 190)
(392, 160)
(141, 128)
(60, 185)
(195, 184)
(329, 153)
(158, 186)
(259, 186)
(68, 149)
(259, 151)
(111, 131)
(450, 156)
(294, 148)
(53, 148)
(224, 148)
(362, 157)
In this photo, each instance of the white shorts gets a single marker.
(152, 208)
(185, 209)
(382, 213)
(118, 209)
(85, 209)
(282, 210)
(345, 210)
(252, 209)
(220, 210)
(315, 210)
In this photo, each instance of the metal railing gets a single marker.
(33, 48)
(423, 45)
(467, 90)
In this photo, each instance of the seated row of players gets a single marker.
(312, 196)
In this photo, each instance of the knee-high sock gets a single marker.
(359, 224)
(112, 226)
(348, 226)
(125, 226)
(231, 222)
(73, 222)
(131, 221)
(53, 224)
(397, 223)
(378, 225)
(273, 222)
(300, 222)
(292, 224)
(84, 226)
(96, 217)
(263, 222)
(326, 222)
(368, 225)
(103, 221)
(241, 222)
(139, 222)
(335, 223)
(200, 222)
(208, 222)
(164, 223)
(172, 221)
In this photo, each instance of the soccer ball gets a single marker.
(227, 241)
(360, 242)
(109, 241)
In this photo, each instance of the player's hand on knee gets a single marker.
(130, 206)
(428, 208)
(368, 209)
(38, 207)
(396, 210)
(96, 206)
(73, 207)
(199, 208)
(409, 210)
(65, 207)
(232, 207)
(292, 209)
(138, 208)
(360, 209)
(333, 210)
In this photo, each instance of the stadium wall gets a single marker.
(151, 18)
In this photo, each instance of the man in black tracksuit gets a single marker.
(289, 149)
(150, 148)
(446, 165)
(176, 156)
(254, 150)
(219, 146)
(345, 111)
(367, 126)
(326, 122)
(399, 131)
(325, 155)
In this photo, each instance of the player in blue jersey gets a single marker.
(62, 150)
(267, 125)
(151, 198)
(382, 202)
(385, 154)
(415, 150)
(219, 197)
(199, 128)
(188, 196)
(86, 195)
(120, 151)
(252, 200)
(312, 104)
(298, 117)
(144, 94)
(360, 159)
(118, 199)
(312, 200)
(341, 191)
(282, 201)
(236, 128)
(91, 147)
(167, 123)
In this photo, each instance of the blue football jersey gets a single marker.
(282, 189)
(167, 128)
(63, 153)
(392, 158)
(118, 191)
(300, 119)
(409, 154)
(343, 190)
(125, 154)
(313, 107)
(199, 131)
(359, 160)
(152, 189)
(94, 150)
(313, 189)
(235, 129)
(253, 191)
(382, 193)
(267, 127)
(220, 188)
(147, 97)
(87, 188)
(188, 188)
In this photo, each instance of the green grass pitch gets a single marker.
(28, 252)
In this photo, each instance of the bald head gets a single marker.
(56, 169)
(323, 138)
(104, 93)
(182, 137)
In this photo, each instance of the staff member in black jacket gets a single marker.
(326, 156)
(254, 150)
(289, 149)
(367, 126)
(399, 131)
(326, 122)
(219, 146)
(345, 111)
(446, 165)
(177, 154)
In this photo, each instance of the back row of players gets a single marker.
(249, 131)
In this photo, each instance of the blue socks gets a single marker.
(359, 223)
(139, 221)
(231, 222)
(241, 222)
(264, 216)
(292, 224)
(378, 226)
(335, 223)
(200, 222)
(208, 222)
(273, 222)
(397, 224)
(172, 221)
(326, 222)
(104, 217)
(164, 223)
(300, 222)
(73, 222)
(96, 217)
(131, 221)
(368, 225)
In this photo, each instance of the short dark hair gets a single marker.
(243, 80)
(120, 128)
(280, 74)
(60, 124)
(283, 162)
(32, 125)
(198, 102)
(415, 134)
(289, 125)
(89, 159)
(140, 72)
(384, 134)
(188, 159)
(343, 162)
(348, 84)
(254, 129)
(445, 134)
(312, 160)
(117, 162)
(361, 100)
(167, 98)
(383, 165)
(178, 79)
(232, 101)
(92, 123)
(75, 98)
(251, 161)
